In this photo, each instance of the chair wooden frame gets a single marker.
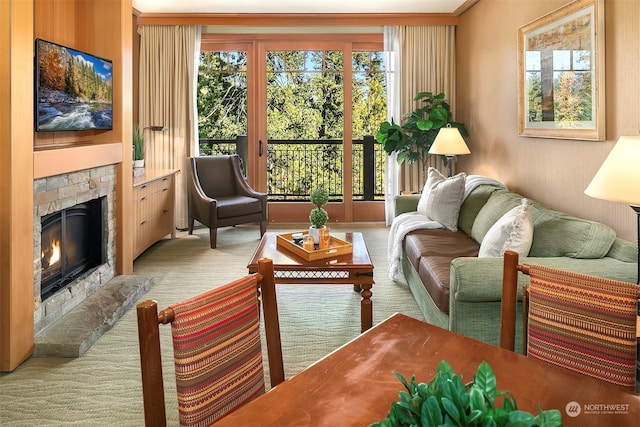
(509, 301)
(149, 320)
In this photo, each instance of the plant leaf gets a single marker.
(485, 379)
(451, 409)
(431, 413)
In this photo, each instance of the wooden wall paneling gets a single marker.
(123, 86)
(16, 217)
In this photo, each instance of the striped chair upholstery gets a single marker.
(580, 322)
(217, 349)
(217, 352)
(583, 323)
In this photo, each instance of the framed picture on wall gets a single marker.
(561, 73)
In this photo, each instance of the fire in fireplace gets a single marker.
(72, 243)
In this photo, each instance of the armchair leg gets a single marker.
(263, 227)
(190, 226)
(213, 237)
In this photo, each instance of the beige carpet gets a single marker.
(102, 388)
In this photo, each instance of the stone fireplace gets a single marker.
(72, 192)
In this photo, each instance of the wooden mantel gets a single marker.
(74, 158)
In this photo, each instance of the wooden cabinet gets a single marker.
(154, 208)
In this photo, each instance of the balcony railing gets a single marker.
(295, 167)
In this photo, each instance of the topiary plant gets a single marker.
(318, 216)
(446, 401)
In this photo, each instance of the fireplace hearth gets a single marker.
(72, 243)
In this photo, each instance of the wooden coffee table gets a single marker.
(349, 269)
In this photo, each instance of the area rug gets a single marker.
(103, 387)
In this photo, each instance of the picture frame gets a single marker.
(561, 73)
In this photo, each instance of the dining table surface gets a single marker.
(355, 385)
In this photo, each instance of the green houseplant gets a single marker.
(318, 216)
(447, 401)
(138, 147)
(413, 139)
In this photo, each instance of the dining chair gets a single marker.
(219, 196)
(216, 346)
(580, 322)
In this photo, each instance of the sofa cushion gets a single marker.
(499, 203)
(431, 252)
(441, 198)
(472, 204)
(513, 231)
(555, 234)
(558, 234)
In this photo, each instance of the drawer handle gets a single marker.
(165, 179)
(165, 189)
(143, 198)
(143, 222)
(165, 210)
(143, 186)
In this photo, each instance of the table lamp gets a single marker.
(449, 143)
(618, 179)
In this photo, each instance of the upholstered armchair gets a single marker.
(219, 195)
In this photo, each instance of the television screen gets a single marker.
(74, 90)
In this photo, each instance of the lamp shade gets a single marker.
(618, 179)
(449, 142)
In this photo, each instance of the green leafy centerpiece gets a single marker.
(447, 401)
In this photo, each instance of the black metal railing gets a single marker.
(295, 167)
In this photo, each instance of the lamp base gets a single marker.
(450, 160)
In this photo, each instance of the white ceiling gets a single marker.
(297, 6)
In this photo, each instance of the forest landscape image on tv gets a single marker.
(74, 90)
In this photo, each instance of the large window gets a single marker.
(222, 99)
(317, 102)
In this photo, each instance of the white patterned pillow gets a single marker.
(513, 231)
(442, 197)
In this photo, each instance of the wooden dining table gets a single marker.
(355, 386)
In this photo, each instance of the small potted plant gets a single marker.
(138, 148)
(318, 216)
(447, 401)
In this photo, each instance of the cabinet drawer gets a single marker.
(153, 205)
(163, 185)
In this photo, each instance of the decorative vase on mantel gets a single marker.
(318, 216)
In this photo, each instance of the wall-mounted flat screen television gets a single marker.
(74, 90)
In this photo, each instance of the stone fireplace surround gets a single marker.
(71, 320)
(58, 192)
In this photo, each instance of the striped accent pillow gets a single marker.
(217, 352)
(583, 323)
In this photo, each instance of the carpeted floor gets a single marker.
(102, 388)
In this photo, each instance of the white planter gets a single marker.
(138, 163)
(315, 232)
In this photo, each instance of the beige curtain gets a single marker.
(427, 64)
(168, 76)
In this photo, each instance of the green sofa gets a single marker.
(458, 291)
